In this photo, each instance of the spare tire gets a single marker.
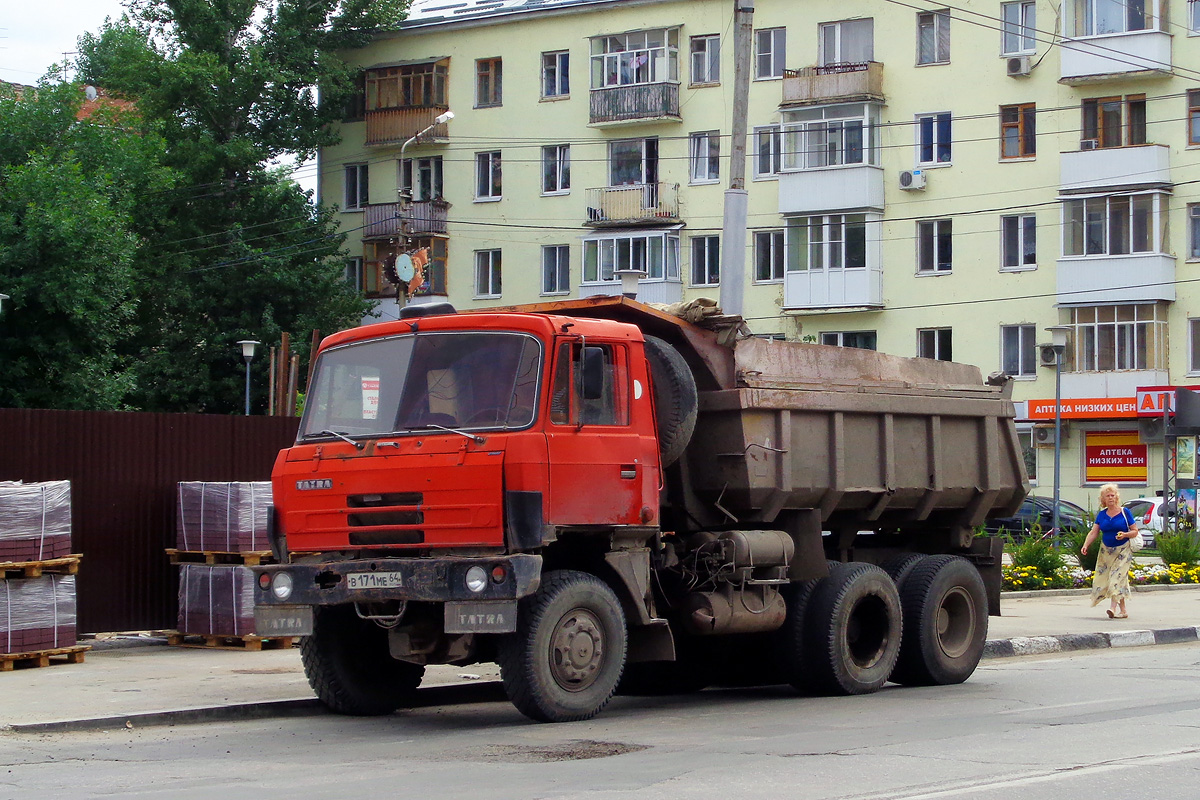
(676, 400)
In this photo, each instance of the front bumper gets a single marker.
(436, 580)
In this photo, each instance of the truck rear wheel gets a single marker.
(676, 400)
(945, 622)
(852, 630)
(348, 665)
(565, 660)
(789, 639)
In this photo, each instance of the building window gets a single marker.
(1018, 350)
(1019, 28)
(705, 157)
(1193, 211)
(1193, 112)
(435, 269)
(934, 343)
(411, 86)
(768, 151)
(1108, 338)
(354, 274)
(1193, 16)
(428, 183)
(769, 256)
(1018, 134)
(556, 169)
(556, 74)
(769, 53)
(487, 175)
(632, 161)
(851, 41)
(487, 273)
(355, 187)
(863, 340)
(1025, 437)
(1114, 121)
(1194, 345)
(556, 269)
(1115, 225)
(834, 241)
(706, 260)
(1101, 17)
(933, 37)
(934, 249)
(488, 82)
(933, 138)
(637, 57)
(827, 136)
(656, 254)
(1018, 242)
(706, 59)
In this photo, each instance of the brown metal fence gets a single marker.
(123, 468)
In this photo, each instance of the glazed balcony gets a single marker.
(637, 203)
(833, 83)
(645, 102)
(389, 220)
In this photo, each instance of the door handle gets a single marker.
(628, 471)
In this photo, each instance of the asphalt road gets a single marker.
(1105, 725)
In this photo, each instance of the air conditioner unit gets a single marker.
(1089, 144)
(912, 180)
(1018, 66)
(1046, 355)
(1043, 435)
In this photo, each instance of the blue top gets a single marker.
(1111, 526)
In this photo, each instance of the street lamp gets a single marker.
(1058, 343)
(248, 346)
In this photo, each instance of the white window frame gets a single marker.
(704, 162)
(1114, 338)
(770, 53)
(635, 58)
(488, 275)
(1081, 214)
(1193, 346)
(354, 273)
(930, 343)
(932, 233)
(839, 339)
(1083, 22)
(937, 24)
(704, 60)
(556, 169)
(705, 252)
(655, 252)
(1193, 214)
(1023, 229)
(832, 46)
(1018, 35)
(770, 248)
(426, 170)
(355, 187)
(1018, 348)
(489, 171)
(768, 144)
(645, 158)
(935, 133)
(1193, 18)
(556, 269)
(556, 75)
(822, 137)
(823, 242)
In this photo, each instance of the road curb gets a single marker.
(1069, 642)
(1149, 587)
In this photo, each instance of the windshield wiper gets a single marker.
(474, 438)
(357, 444)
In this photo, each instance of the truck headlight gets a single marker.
(477, 579)
(281, 585)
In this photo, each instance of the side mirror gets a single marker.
(592, 371)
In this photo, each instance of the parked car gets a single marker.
(1040, 511)
(1149, 514)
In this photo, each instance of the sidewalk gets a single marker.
(143, 682)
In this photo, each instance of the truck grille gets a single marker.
(377, 537)
(376, 500)
(370, 519)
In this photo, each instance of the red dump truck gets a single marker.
(596, 494)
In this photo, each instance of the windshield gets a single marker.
(419, 381)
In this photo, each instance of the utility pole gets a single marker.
(733, 228)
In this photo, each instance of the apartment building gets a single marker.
(924, 179)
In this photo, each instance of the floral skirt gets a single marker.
(1111, 579)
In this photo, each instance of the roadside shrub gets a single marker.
(1178, 548)
(1073, 540)
(1038, 552)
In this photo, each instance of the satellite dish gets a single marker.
(90, 92)
(404, 267)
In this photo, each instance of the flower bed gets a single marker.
(1024, 578)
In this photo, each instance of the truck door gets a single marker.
(600, 465)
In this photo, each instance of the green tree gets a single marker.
(239, 250)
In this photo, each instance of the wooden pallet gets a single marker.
(67, 565)
(42, 658)
(213, 557)
(247, 642)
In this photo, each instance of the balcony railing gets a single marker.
(1109, 168)
(632, 204)
(833, 82)
(395, 125)
(388, 220)
(1115, 56)
(636, 103)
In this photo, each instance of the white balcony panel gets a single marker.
(1110, 384)
(1115, 55)
(833, 288)
(1115, 168)
(1116, 279)
(648, 291)
(820, 191)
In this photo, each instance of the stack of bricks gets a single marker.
(37, 614)
(35, 521)
(216, 600)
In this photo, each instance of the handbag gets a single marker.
(1136, 542)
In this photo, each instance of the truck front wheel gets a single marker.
(945, 622)
(852, 630)
(565, 660)
(348, 665)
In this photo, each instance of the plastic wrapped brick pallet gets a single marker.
(216, 600)
(35, 520)
(37, 613)
(224, 517)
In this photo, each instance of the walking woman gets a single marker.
(1117, 525)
